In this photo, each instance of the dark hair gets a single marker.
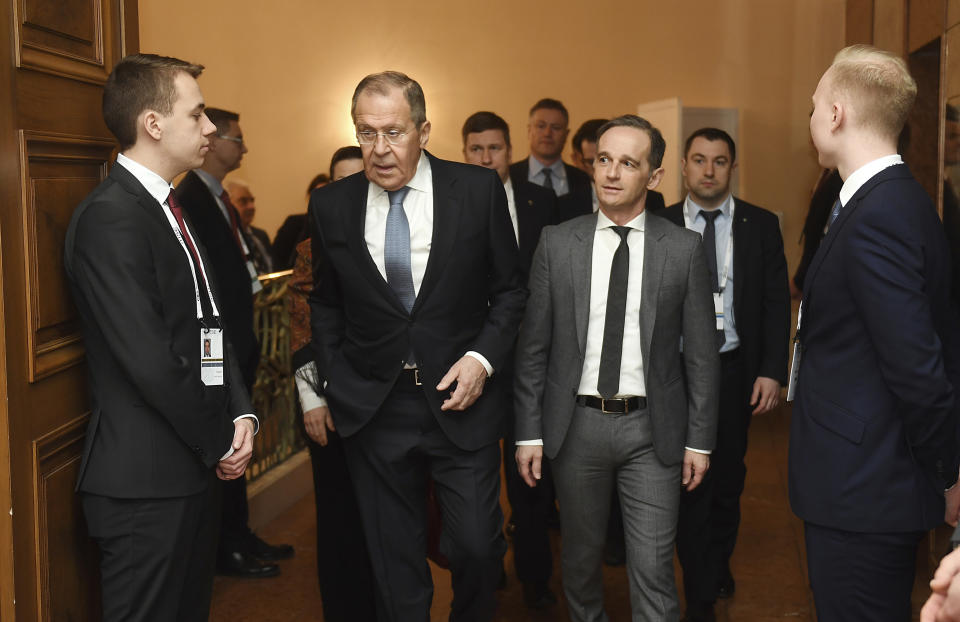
(141, 82)
(657, 144)
(483, 121)
(320, 178)
(221, 118)
(712, 134)
(587, 131)
(550, 104)
(381, 83)
(351, 152)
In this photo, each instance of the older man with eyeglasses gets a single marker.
(415, 307)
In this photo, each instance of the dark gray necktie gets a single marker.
(710, 249)
(608, 380)
(837, 206)
(396, 250)
(548, 179)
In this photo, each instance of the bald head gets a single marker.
(242, 199)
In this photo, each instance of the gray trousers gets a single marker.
(601, 451)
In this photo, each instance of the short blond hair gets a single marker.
(879, 85)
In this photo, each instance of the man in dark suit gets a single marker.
(873, 431)
(748, 274)
(548, 130)
(486, 142)
(218, 228)
(415, 309)
(160, 425)
(584, 144)
(601, 386)
(242, 198)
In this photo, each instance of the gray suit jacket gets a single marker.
(682, 388)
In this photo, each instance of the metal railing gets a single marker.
(274, 394)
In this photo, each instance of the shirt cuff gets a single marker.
(483, 361)
(705, 452)
(309, 399)
(256, 428)
(536, 441)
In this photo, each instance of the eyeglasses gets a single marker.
(235, 139)
(369, 137)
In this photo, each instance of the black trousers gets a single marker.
(389, 461)
(156, 555)
(530, 509)
(710, 514)
(861, 576)
(343, 562)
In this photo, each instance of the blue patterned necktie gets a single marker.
(396, 249)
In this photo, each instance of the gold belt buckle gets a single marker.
(416, 377)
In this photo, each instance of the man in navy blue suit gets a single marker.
(873, 433)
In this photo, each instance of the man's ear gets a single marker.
(655, 179)
(424, 134)
(151, 123)
(838, 117)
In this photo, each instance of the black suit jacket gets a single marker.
(295, 229)
(536, 208)
(761, 292)
(872, 435)
(230, 267)
(471, 298)
(577, 202)
(155, 429)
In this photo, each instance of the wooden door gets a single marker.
(54, 149)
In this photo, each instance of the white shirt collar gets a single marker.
(637, 223)
(863, 174)
(422, 180)
(216, 188)
(508, 187)
(158, 187)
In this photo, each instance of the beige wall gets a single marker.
(290, 72)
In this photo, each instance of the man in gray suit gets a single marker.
(602, 387)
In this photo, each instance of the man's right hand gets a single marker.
(529, 461)
(317, 421)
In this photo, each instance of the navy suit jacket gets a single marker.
(471, 298)
(536, 208)
(873, 430)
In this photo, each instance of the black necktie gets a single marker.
(608, 380)
(710, 249)
(548, 179)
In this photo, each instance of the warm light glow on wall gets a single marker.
(290, 69)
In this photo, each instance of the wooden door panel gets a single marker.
(54, 149)
(72, 38)
(68, 583)
(58, 172)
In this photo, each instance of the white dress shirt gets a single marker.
(512, 207)
(605, 243)
(418, 206)
(863, 174)
(160, 189)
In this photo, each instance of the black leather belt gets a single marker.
(613, 405)
(410, 377)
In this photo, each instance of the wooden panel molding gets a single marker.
(66, 557)
(66, 37)
(58, 171)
